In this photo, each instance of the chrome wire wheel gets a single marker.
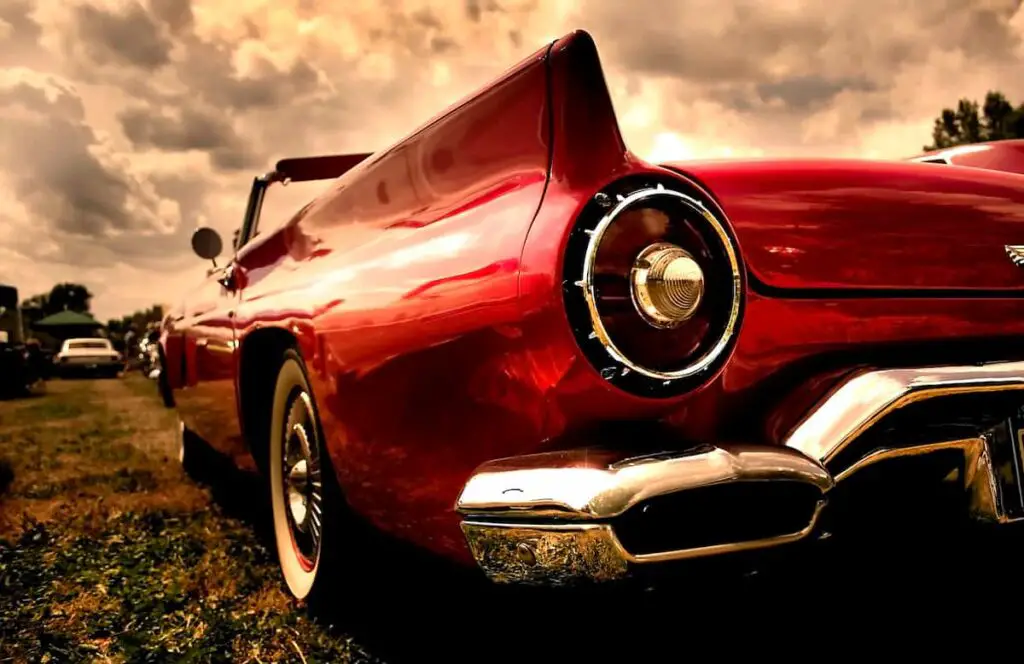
(299, 477)
(302, 479)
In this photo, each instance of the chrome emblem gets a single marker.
(1016, 254)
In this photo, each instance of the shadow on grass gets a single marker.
(75, 376)
(406, 606)
(22, 395)
(240, 495)
(6, 476)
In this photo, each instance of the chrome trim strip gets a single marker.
(932, 160)
(590, 295)
(863, 400)
(946, 155)
(587, 484)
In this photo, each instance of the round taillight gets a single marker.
(653, 288)
(667, 285)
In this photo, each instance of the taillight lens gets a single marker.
(667, 285)
(653, 288)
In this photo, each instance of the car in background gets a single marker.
(90, 356)
(20, 362)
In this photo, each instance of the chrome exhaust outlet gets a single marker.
(585, 514)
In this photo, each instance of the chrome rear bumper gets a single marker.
(589, 514)
(550, 518)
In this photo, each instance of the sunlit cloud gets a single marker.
(135, 121)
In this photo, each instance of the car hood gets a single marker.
(851, 225)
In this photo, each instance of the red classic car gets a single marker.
(510, 341)
(996, 155)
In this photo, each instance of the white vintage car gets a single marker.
(94, 356)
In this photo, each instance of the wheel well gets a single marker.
(259, 362)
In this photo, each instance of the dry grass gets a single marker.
(108, 552)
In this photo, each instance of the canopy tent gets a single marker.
(67, 325)
(68, 319)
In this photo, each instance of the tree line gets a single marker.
(69, 296)
(994, 120)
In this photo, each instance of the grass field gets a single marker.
(108, 552)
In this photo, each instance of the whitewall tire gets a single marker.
(301, 483)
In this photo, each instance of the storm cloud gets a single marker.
(188, 128)
(130, 37)
(67, 177)
(124, 124)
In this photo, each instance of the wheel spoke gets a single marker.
(301, 441)
(315, 531)
(296, 412)
(298, 475)
(302, 475)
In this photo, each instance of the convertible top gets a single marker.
(324, 167)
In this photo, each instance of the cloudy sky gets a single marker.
(124, 124)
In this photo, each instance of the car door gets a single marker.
(205, 389)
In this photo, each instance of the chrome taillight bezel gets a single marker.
(581, 297)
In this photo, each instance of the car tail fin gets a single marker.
(588, 144)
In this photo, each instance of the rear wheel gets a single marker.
(305, 498)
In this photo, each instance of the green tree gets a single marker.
(995, 120)
(70, 297)
(37, 302)
(65, 296)
(138, 323)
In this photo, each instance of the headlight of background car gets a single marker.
(653, 288)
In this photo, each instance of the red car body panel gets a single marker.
(805, 224)
(1006, 155)
(424, 291)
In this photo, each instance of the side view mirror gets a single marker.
(207, 244)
